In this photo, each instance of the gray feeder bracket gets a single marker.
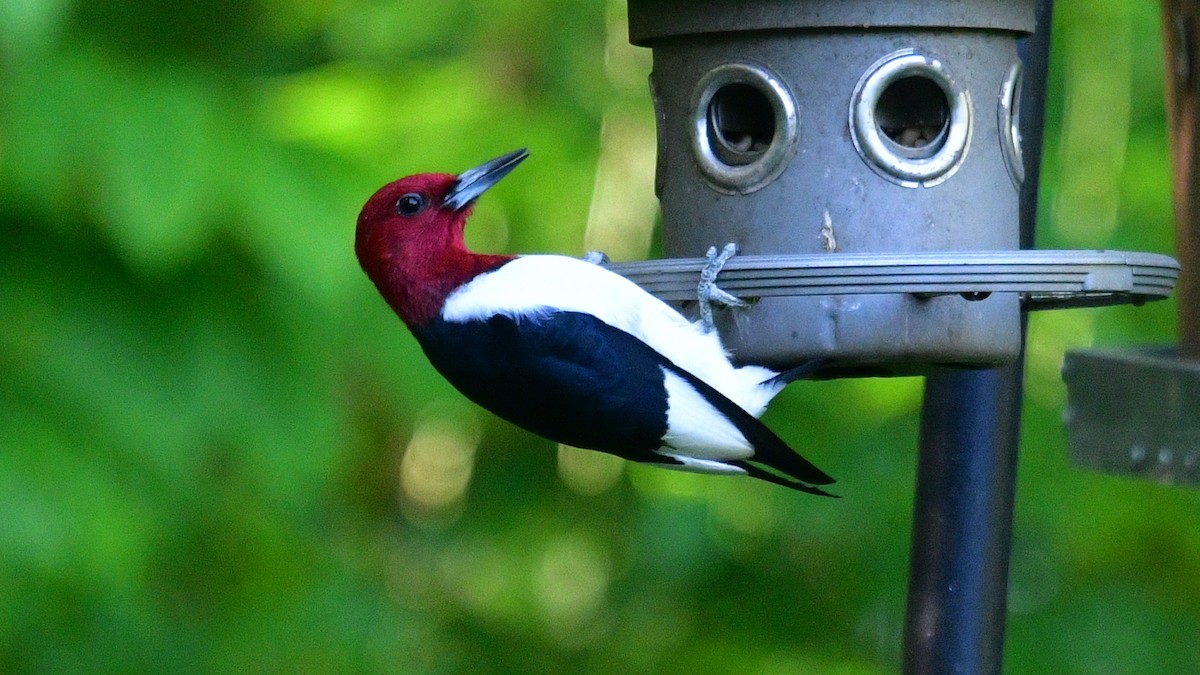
(1135, 412)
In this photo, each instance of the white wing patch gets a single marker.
(694, 465)
(697, 430)
(535, 284)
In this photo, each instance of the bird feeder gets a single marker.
(865, 157)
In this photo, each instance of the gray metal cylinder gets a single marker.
(860, 126)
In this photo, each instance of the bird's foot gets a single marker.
(596, 258)
(708, 292)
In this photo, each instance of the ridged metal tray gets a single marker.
(1044, 279)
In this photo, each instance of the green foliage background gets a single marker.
(205, 408)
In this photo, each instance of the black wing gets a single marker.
(574, 379)
(566, 376)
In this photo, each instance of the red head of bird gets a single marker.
(409, 238)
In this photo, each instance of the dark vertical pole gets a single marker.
(1035, 55)
(966, 468)
(962, 525)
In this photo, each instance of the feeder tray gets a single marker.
(1043, 279)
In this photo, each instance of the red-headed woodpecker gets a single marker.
(565, 348)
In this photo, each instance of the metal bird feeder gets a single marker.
(866, 159)
(876, 163)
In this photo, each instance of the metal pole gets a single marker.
(962, 527)
(966, 469)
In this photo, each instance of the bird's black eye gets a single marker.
(410, 204)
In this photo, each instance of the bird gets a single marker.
(566, 348)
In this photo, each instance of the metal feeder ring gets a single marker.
(1009, 122)
(744, 127)
(909, 121)
(1044, 279)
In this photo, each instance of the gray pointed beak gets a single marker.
(474, 182)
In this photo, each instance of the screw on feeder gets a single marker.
(1165, 455)
(1137, 456)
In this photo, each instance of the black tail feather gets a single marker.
(800, 372)
(769, 449)
(763, 474)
